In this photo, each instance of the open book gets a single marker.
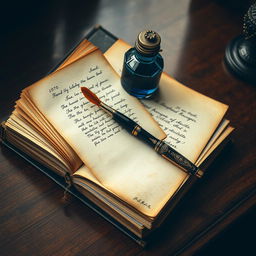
(54, 124)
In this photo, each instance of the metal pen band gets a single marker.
(175, 157)
(107, 108)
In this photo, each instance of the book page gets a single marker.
(119, 161)
(187, 117)
(28, 111)
(84, 48)
(32, 149)
(16, 123)
(222, 138)
(221, 128)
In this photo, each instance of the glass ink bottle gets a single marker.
(143, 66)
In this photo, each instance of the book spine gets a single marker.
(2, 132)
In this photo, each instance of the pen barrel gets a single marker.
(135, 129)
(178, 159)
(127, 123)
(145, 136)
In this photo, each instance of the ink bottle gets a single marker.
(143, 66)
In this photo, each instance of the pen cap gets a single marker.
(148, 42)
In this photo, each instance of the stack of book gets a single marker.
(55, 128)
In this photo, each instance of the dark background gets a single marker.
(35, 35)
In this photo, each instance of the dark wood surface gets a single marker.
(217, 215)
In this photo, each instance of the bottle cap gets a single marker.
(148, 42)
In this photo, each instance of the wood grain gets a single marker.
(35, 37)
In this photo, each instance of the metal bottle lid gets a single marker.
(148, 42)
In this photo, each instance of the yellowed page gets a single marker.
(31, 135)
(84, 44)
(124, 165)
(36, 153)
(86, 173)
(84, 48)
(222, 127)
(33, 117)
(188, 118)
(220, 139)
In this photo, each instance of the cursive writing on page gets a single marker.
(174, 120)
(96, 124)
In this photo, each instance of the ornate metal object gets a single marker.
(240, 55)
(249, 27)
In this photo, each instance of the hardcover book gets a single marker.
(79, 146)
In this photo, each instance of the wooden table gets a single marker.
(35, 37)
